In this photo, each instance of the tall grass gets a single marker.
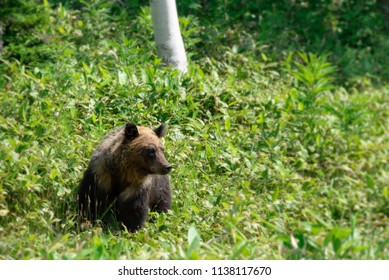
(273, 158)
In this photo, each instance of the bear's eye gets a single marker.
(150, 152)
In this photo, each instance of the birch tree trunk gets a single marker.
(167, 35)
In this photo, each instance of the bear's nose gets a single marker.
(168, 168)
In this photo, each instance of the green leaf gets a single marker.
(275, 194)
(193, 239)
(122, 76)
(86, 68)
(227, 123)
(369, 182)
(385, 192)
(53, 173)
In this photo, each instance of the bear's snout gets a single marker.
(160, 166)
(167, 168)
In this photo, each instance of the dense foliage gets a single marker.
(278, 132)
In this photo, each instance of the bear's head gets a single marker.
(146, 149)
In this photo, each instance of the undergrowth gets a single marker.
(275, 156)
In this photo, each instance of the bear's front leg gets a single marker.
(133, 211)
(160, 194)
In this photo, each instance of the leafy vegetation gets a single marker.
(278, 132)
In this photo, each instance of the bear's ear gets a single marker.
(160, 131)
(131, 131)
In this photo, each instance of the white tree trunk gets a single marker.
(167, 35)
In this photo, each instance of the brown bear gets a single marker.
(129, 168)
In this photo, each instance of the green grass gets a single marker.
(277, 154)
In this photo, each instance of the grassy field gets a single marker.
(278, 132)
